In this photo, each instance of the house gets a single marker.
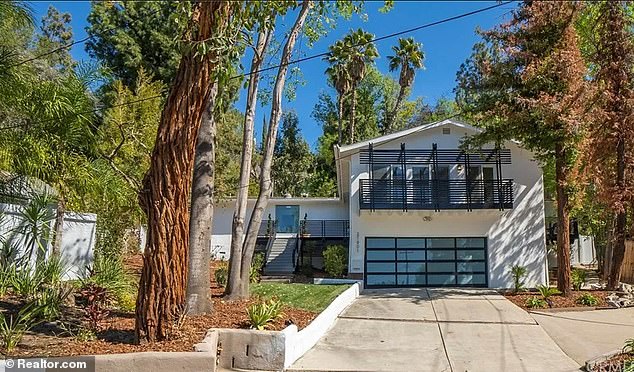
(415, 210)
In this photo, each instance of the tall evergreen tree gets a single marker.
(527, 81)
(293, 160)
(610, 146)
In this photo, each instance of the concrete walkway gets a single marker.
(584, 335)
(435, 330)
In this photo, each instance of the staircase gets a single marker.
(279, 260)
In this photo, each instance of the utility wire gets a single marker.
(299, 60)
(66, 46)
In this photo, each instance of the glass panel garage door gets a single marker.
(418, 262)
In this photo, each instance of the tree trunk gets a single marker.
(59, 226)
(202, 213)
(563, 222)
(353, 113)
(239, 215)
(340, 117)
(248, 246)
(618, 250)
(165, 194)
(399, 100)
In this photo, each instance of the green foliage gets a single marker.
(628, 347)
(55, 33)
(293, 161)
(135, 36)
(256, 268)
(546, 292)
(587, 299)
(518, 272)
(26, 283)
(222, 273)
(336, 260)
(48, 302)
(14, 326)
(108, 272)
(578, 278)
(535, 302)
(262, 313)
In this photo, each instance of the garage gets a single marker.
(425, 262)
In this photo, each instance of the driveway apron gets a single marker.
(434, 330)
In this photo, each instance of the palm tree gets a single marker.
(359, 51)
(340, 78)
(408, 56)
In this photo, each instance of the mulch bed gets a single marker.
(614, 364)
(559, 301)
(118, 333)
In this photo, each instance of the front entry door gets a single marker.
(287, 217)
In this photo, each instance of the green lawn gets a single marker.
(311, 297)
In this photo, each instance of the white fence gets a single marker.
(78, 237)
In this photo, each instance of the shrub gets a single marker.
(48, 302)
(95, 300)
(578, 278)
(336, 260)
(256, 268)
(262, 313)
(535, 302)
(13, 327)
(587, 299)
(547, 292)
(628, 347)
(26, 282)
(109, 273)
(518, 272)
(222, 273)
(52, 270)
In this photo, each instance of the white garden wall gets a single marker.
(78, 237)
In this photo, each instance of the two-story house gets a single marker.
(415, 210)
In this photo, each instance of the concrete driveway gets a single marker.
(434, 330)
(584, 335)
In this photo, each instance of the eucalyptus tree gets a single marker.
(240, 266)
(408, 56)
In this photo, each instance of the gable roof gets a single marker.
(354, 147)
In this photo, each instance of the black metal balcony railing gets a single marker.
(436, 194)
(324, 228)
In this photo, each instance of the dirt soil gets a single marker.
(117, 336)
(559, 301)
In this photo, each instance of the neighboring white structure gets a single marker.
(418, 211)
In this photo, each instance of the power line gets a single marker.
(66, 46)
(300, 60)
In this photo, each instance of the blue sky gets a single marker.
(446, 46)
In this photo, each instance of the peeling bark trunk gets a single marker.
(563, 222)
(237, 229)
(165, 195)
(202, 213)
(248, 246)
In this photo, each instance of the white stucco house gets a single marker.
(415, 210)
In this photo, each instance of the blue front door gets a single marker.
(287, 217)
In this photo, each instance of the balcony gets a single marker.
(435, 195)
